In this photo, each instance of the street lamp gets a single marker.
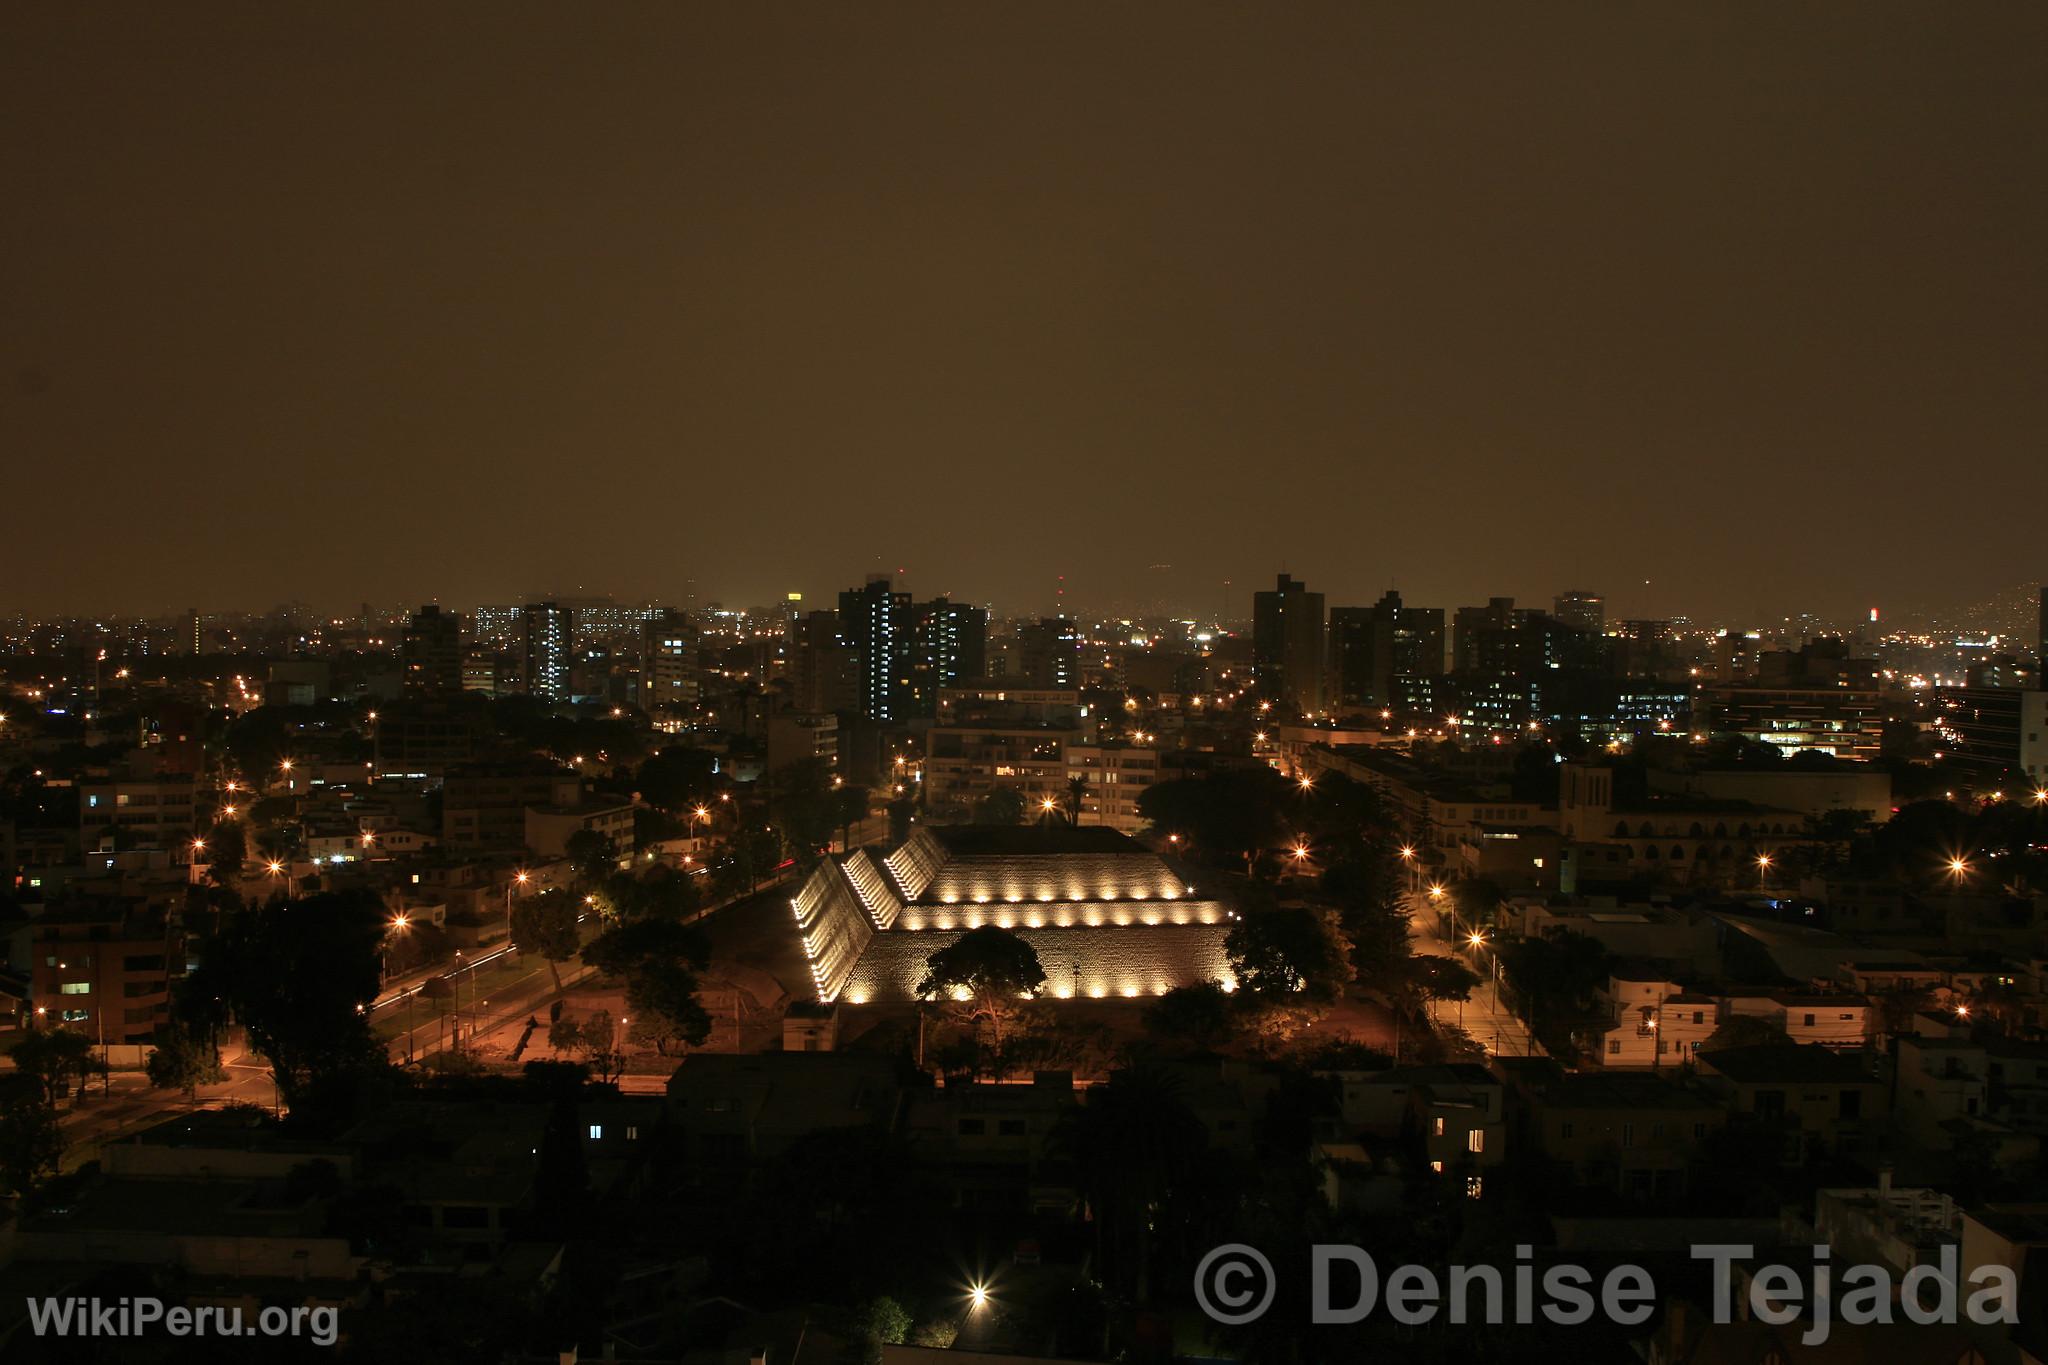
(1763, 870)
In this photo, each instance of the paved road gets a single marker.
(1484, 1016)
(129, 1104)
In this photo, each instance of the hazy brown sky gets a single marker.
(354, 301)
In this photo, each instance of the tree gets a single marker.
(591, 856)
(663, 893)
(31, 1145)
(805, 806)
(1135, 1142)
(657, 959)
(878, 1322)
(1290, 950)
(1202, 1017)
(595, 1040)
(900, 812)
(677, 779)
(1077, 793)
(183, 1060)
(1745, 1030)
(55, 1059)
(226, 849)
(1003, 806)
(1552, 980)
(546, 924)
(1444, 978)
(299, 977)
(849, 808)
(987, 971)
(1234, 815)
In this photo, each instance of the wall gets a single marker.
(1108, 962)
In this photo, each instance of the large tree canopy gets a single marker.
(298, 976)
(989, 970)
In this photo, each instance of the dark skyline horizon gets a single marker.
(1504, 301)
(1232, 606)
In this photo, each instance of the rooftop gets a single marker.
(1796, 1063)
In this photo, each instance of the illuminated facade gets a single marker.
(1107, 918)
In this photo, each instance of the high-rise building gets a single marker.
(1516, 664)
(1995, 730)
(431, 648)
(1287, 646)
(827, 668)
(949, 641)
(668, 663)
(874, 620)
(546, 639)
(2041, 643)
(1372, 646)
(1585, 611)
(1049, 652)
(907, 650)
(1818, 697)
(194, 631)
(498, 627)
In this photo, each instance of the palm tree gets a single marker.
(1134, 1140)
(1077, 792)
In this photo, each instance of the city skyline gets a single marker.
(2007, 613)
(1232, 293)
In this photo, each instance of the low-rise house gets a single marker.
(1629, 1131)
(1822, 1099)
(735, 1109)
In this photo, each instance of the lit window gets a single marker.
(596, 1132)
(1475, 1141)
(1437, 1166)
(1472, 1187)
(75, 988)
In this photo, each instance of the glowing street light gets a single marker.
(1958, 867)
(977, 1296)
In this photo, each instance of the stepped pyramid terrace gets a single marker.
(1107, 917)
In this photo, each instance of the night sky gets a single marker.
(345, 302)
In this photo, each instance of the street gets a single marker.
(130, 1104)
(1489, 1021)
